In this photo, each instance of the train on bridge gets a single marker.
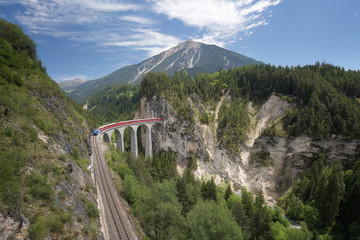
(96, 131)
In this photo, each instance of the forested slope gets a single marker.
(115, 103)
(45, 189)
(325, 95)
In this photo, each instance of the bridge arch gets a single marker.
(119, 129)
(107, 137)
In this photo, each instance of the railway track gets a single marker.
(119, 225)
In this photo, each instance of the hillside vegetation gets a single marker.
(115, 103)
(44, 139)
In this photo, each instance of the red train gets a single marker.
(111, 125)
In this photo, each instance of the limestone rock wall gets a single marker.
(290, 156)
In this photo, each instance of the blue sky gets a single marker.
(92, 38)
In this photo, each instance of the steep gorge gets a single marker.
(289, 156)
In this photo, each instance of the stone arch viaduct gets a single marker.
(106, 132)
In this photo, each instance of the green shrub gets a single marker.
(17, 79)
(123, 170)
(262, 157)
(43, 225)
(44, 124)
(204, 118)
(54, 224)
(91, 210)
(280, 232)
(132, 188)
(62, 157)
(3, 81)
(37, 231)
(75, 154)
(38, 187)
(6, 73)
(192, 161)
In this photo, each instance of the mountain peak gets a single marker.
(187, 44)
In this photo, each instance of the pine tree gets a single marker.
(228, 192)
(248, 203)
(259, 200)
(239, 214)
(334, 193)
(209, 190)
(321, 199)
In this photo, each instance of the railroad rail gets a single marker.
(118, 223)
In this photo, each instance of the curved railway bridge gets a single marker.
(106, 132)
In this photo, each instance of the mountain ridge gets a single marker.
(189, 55)
(70, 84)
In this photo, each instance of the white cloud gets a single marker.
(106, 23)
(137, 19)
(106, 5)
(57, 13)
(220, 19)
(149, 40)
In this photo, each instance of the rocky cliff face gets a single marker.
(290, 157)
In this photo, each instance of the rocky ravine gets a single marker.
(289, 155)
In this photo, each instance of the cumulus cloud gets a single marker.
(221, 19)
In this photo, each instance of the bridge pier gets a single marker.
(134, 142)
(148, 142)
(120, 139)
